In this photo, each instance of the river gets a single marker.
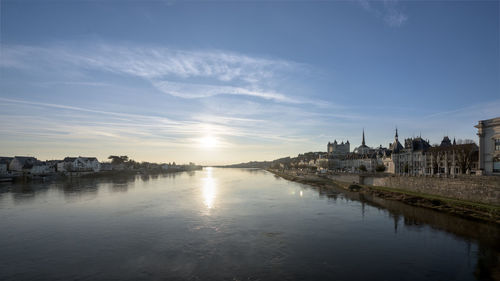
(230, 224)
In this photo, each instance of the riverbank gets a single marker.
(100, 174)
(462, 208)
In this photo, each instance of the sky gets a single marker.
(220, 82)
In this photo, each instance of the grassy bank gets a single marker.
(466, 209)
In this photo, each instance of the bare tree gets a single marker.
(465, 156)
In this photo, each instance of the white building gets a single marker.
(489, 146)
(79, 164)
(40, 168)
(22, 163)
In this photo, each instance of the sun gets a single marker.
(208, 142)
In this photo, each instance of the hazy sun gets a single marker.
(208, 142)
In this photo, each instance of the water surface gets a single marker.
(230, 224)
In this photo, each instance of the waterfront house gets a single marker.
(79, 164)
(4, 164)
(39, 168)
(22, 163)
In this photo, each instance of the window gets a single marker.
(497, 144)
(496, 165)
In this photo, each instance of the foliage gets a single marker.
(116, 160)
(362, 168)
(380, 168)
(323, 164)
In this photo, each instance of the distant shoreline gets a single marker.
(100, 174)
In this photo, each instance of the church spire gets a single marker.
(363, 143)
(396, 136)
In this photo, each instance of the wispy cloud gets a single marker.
(387, 10)
(175, 72)
(191, 90)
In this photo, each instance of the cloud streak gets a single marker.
(185, 90)
(174, 72)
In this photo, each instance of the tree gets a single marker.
(324, 164)
(465, 141)
(465, 156)
(116, 160)
(275, 165)
(362, 168)
(380, 168)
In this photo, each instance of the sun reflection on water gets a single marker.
(209, 189)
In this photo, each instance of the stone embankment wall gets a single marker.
(483, 189)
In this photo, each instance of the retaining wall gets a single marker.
(483, 189)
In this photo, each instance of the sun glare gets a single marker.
(209, 189)
(208, 142)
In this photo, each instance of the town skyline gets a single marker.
(225, 83)
(388, 145)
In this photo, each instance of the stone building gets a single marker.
(408, 159)
(452, 158)
(338, 149)
(489, 146)
(340, 158)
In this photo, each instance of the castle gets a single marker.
(336, 149)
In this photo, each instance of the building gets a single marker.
(22, 163)
(417, 157)
(340, 158)
(335, 149)
(4, 164)
(40, 168)
(452, 159)
(363, 148)
(354, 161)
(489, 146)
(79, 164)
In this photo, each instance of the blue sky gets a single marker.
(224, 82)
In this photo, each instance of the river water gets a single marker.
(230, 224)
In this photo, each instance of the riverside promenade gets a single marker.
(410, 192)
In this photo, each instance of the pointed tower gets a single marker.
(363, 142)
(396, 147)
